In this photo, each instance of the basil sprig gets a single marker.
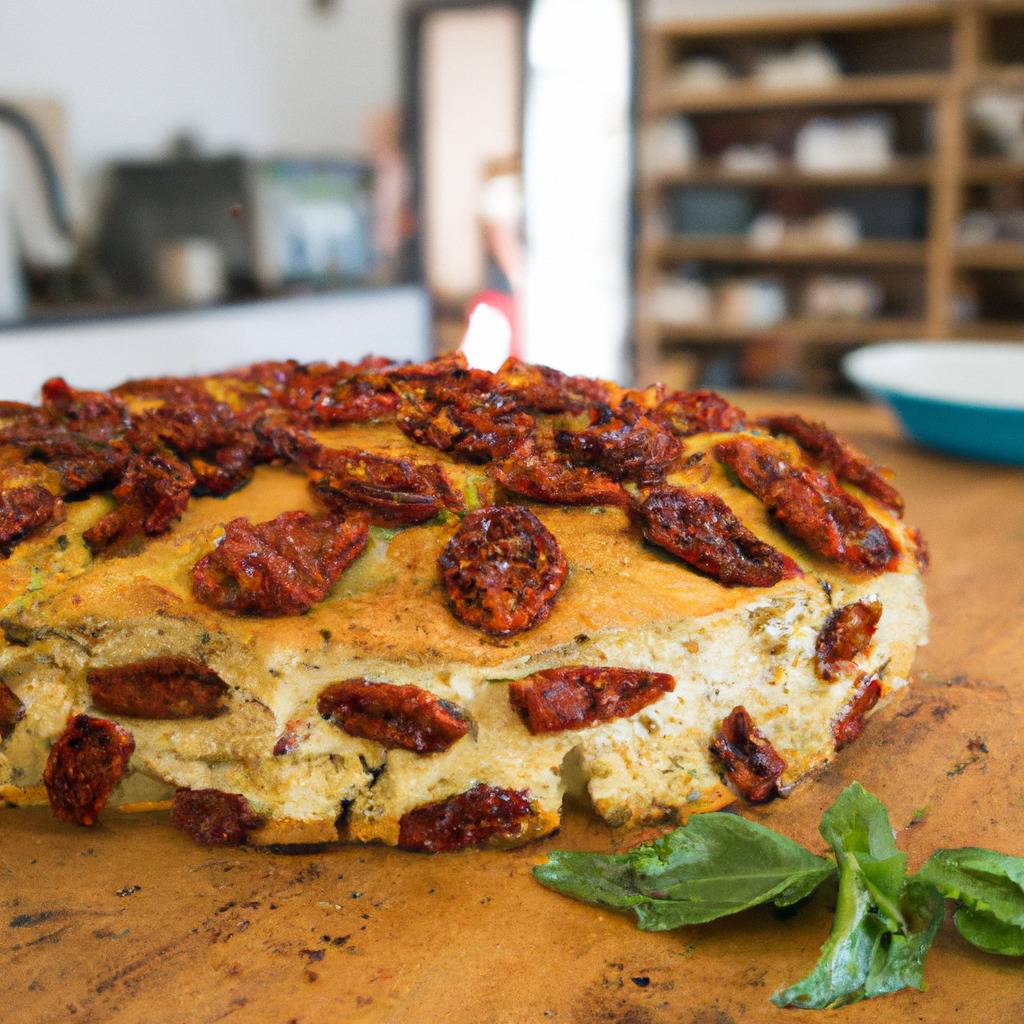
(719, 864)
(884, 924)
(989, 887)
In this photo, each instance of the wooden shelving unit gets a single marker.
(962, 54)
(902, 172)
(737, 250)
(836, 332)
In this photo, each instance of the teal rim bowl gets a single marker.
(965, 398)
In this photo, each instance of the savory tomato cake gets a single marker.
(418, 604)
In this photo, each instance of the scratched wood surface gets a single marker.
(131, 923)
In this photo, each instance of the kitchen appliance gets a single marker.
(35, 226)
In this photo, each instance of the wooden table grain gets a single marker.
(131, 923)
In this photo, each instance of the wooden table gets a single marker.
(132, 923)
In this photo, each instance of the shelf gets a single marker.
(1004, 76)
(902, 172)
(992, 256)
(989, 330)
(737, 250)
(855, 90)
(920, 63)
(993, 169)
(798, 330)
(805, 23)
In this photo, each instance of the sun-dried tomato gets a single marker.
(164, 687)
(467, 412)
(213, 818)
(502, 569)
(216, 441)
(840, 456)
(281, 567)
(921, 553)
(92, 413)
(24, 510)
(639, 449)
(84, 767)
(83, 465)
(342, 393)
(395, 716)
(21, 413)
(481, 815)
(546, 475)
(851, 725)
(845, 635)
(389, 489)
(224, 471)
(705, 533)
(698, 412)
(575, 696)
(750, 761)
(392, 491)
(547, 390)
(296, 732)
(12, 710)
(153, 492)
(270, 377)
(810, 505)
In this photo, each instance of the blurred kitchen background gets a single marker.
(728, 194)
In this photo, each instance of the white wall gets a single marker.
(267, 75)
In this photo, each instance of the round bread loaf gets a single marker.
(421, 604)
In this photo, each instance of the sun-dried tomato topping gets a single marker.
(216, 441)
(213, 818)
(343, 393)
(24, 510)
(705, 533)
(83, 465)
(281, 567)
(223, 471)
(750, 761)
(575, 696)
(546, 475)
(395, 716)
(851, 725)
(296, 732)
(639, 449)
(921, 553)
(84, 767)
(165, 687)
(840, 456)
(698, 412)
(270, 376)
(845, 636)
(502, 569)
(21, 413)
(467, 412)
(548, 390)
(153, 492)
(92, 413)
(12, 711)
(481, 815)
(392, 491)
(810, 505)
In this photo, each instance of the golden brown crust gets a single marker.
(622, 598)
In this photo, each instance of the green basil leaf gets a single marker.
(989, 933)
(990, 887)
(715, 865)
(858, 823)
(883, 925)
